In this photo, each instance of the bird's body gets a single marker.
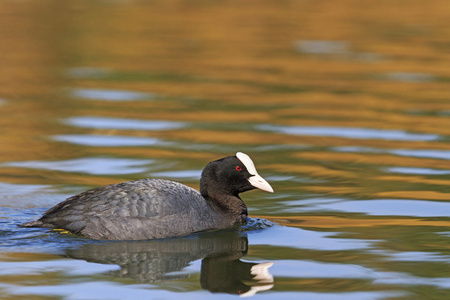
(155, 208)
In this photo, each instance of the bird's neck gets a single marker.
(226, 203)
(219, 196)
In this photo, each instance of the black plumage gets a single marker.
(155, 208)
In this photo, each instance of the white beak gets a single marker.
(255, 180)
(260, 183)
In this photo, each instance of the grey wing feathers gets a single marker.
(109, 212)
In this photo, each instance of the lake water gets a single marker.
(344, 106)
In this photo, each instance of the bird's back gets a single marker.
(134, 210)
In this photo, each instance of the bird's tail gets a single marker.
(37, 223)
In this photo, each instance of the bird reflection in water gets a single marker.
(222, 271)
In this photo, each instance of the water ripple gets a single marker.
(254, 224)
(30, 195)
(341, 49)
(184, 174)
(380, 207)
(349, 132)
(69, 267)
(87, 72)
(91, 165)
(409, 77)
(415, 256)
(110, 95)
(418, 171)
(424, 153)
(96, 140)
(305, 239)
(122, 123)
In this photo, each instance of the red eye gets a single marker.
(238, 168)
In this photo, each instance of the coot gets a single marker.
(155, 208)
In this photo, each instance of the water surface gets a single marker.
(344, 108)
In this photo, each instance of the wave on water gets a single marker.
(254, 224)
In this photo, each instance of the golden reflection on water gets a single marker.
(341, 222)
(225, 68)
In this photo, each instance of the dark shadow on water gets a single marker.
(220, 252)
(161, 260)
